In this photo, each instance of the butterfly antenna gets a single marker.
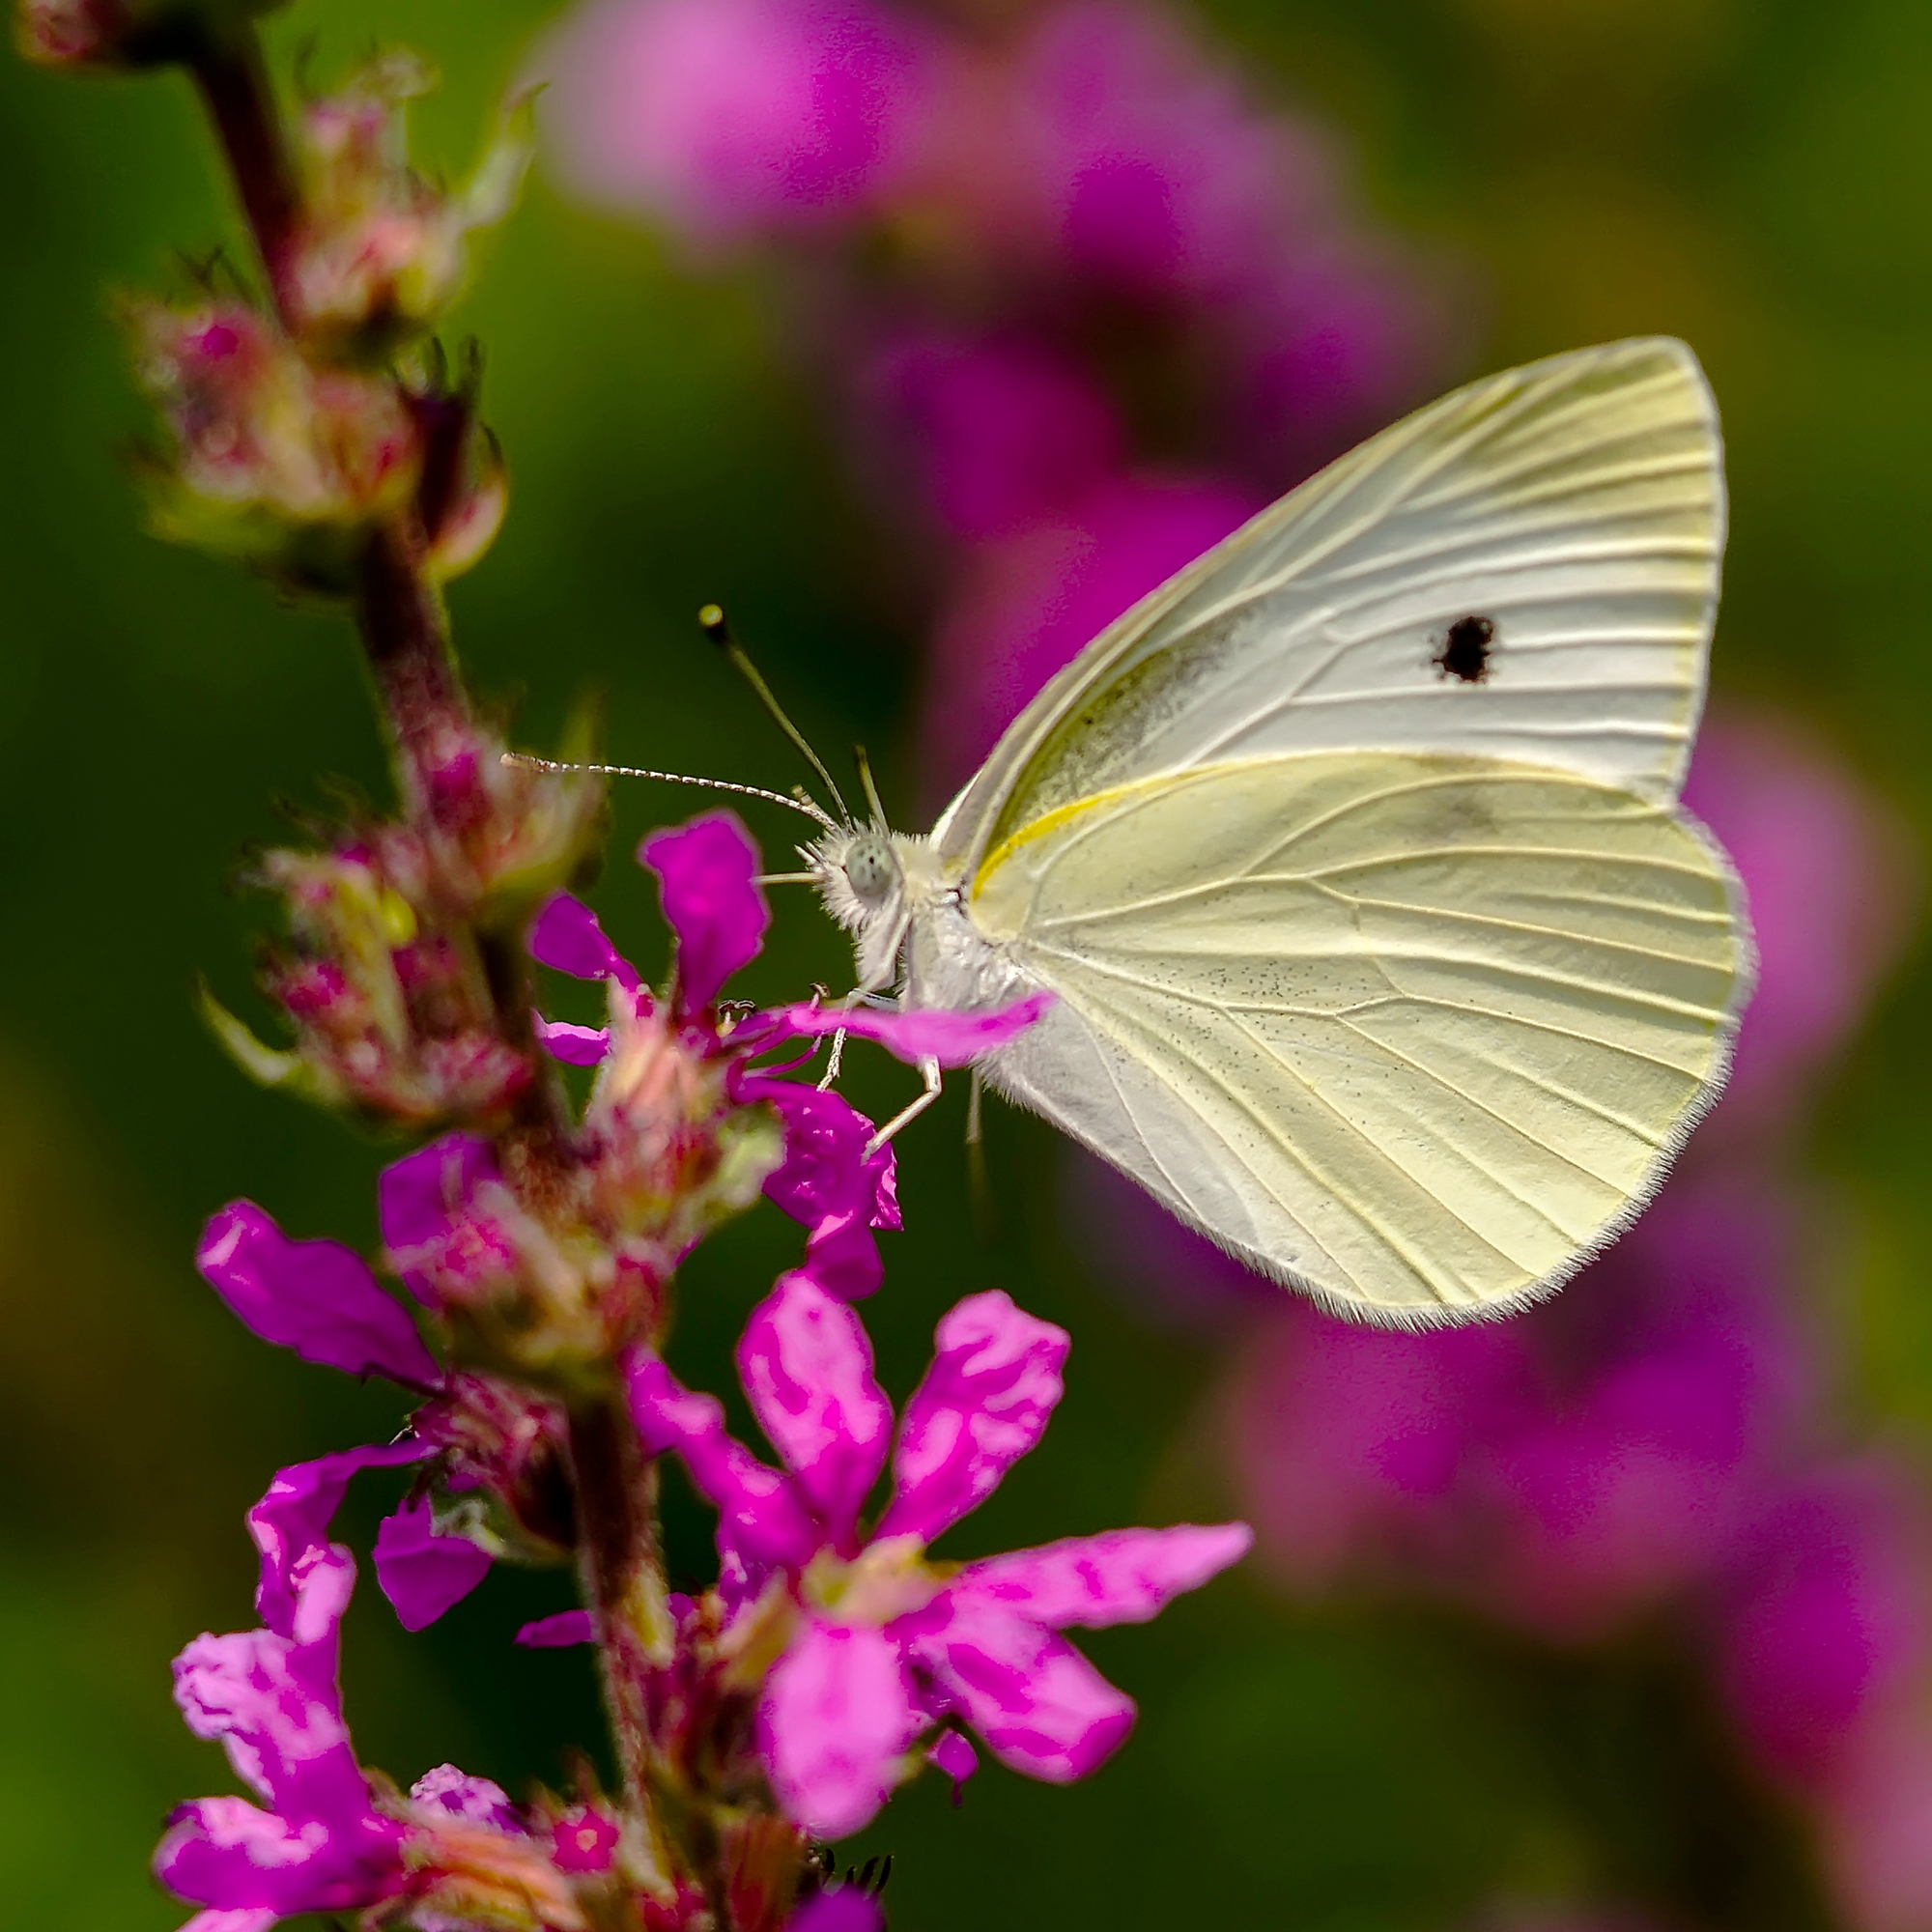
(801, 802)
(871, 789)
(718, 631)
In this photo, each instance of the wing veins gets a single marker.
(1316, 1174)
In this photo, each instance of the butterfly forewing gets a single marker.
(1414, 1032)
(1569, 515)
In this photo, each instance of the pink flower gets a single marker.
(1825, 1614)
(731, 118)
(1833, 883)
(831, 1178)
(270, 1697)
(885, 1645)
(1159, 176)
(331, 1843)
(1562, 1471)
(1026, 603)
(998, 432)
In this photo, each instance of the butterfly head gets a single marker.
(861, 878)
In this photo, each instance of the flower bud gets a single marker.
(274, 461)
(506, 1484)
(673, 1154)
(381, 254)
(123, 33)
(392, 1017)
(491, 840)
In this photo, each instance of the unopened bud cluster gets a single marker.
(298, 424)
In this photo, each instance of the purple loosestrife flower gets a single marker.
(545, 1290)
(1074, 173)
(1835, 887)
(333, 1840)
(879, 1645)
(736, 118)
(323, 1301)
(1560, 1473)
(1824, 1616)
(656, 1067)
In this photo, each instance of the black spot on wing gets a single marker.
(1467, 649)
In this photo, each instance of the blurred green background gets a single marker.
(1749, 174)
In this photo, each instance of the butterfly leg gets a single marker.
(833, 1060)
(928, 1073)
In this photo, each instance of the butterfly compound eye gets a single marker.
(871, 868)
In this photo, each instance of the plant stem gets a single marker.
(233, 78)
(406, 640)
(622, 1575)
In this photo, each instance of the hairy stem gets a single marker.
(622, 1575)
(405, 638)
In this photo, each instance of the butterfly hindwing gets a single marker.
(1416, 1033)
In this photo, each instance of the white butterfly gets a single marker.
(1385, 954)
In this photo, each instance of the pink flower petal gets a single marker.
(273, 1706)
(256, 1868)
(558, 1631)
(1124, 1577)
(984, 1402)
(763, 1513)
(575, 1045)
(421, 1573)
(708, 879)
(836, 1717)
(847, 1908)
(305, 1580)
(953, 1039)
(807, 1367)
(1040, 1705)
(314, 1297)
(829, 1182)
(566, 937)
(950, 1754)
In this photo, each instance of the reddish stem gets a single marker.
(229, 70)
(621, 1571)
(436, 745)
